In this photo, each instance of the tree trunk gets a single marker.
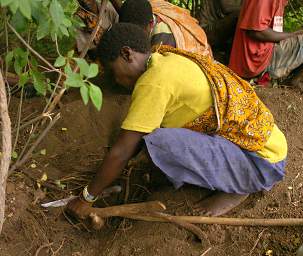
(6, 147)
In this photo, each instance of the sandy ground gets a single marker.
(31, 230)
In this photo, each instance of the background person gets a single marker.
(261, 47)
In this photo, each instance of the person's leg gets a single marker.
(287, 56)
(297, 80)
(210, 162)
(219, 203)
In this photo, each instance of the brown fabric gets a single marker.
(287, 56)
(89, 12)
(188, 34)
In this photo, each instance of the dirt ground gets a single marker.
(80, 146)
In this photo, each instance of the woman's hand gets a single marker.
(79, 208)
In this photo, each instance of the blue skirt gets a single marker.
(210, 161)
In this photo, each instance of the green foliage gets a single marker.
(80, 80)
(293, 19)
(53, 24)
(52, 17)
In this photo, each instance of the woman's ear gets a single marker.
(126, 53)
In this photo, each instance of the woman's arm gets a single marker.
(268, 35)
(126, 146)
(123, 150)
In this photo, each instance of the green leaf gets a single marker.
(9, 58)
(95, 95)
(23, 78)
(21, 58)
(14, 6)
(74, 80)
(64, 30)
(34, 63)
(38, 82)
(70, 54)
(6, 2)
(56, 12)
(19, 22)
(25, 8)
(14, 155)
(45, 3)
(17, 67)
(43, 29)
(20, 53)
(67, 22)
(84, 94)
(67, 70)
(93, 70)
(60, 61)
(83, 65)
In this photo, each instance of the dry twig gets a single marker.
(59, 248)
(18, 120)
(256, 243)
(188, 226)
(26, 157)
(42, 247)
(207, 251)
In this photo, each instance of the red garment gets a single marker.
(250, 57)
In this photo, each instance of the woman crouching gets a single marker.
(201, 123)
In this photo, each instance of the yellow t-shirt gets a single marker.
(174, 91)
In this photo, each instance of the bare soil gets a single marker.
(80, 147)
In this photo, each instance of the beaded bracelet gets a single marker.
(88, 197)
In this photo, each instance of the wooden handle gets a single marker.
(220, 221)
(128, 209)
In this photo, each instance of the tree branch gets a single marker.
(26, 157)
(6, 147)
(32, 50)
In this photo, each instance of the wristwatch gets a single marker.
(88, 197)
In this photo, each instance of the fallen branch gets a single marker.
(221, 221)
(6, 147)
(26, 157)
(127, 209)
(154, 207)
(184, 224)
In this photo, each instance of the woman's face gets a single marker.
(128, 67)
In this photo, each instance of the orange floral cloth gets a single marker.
(88, 11)
(188, 34)
(238, 114)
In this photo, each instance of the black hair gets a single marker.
(120, 35)
(138, 12)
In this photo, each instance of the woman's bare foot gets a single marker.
(219, 203)
(297, 80)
